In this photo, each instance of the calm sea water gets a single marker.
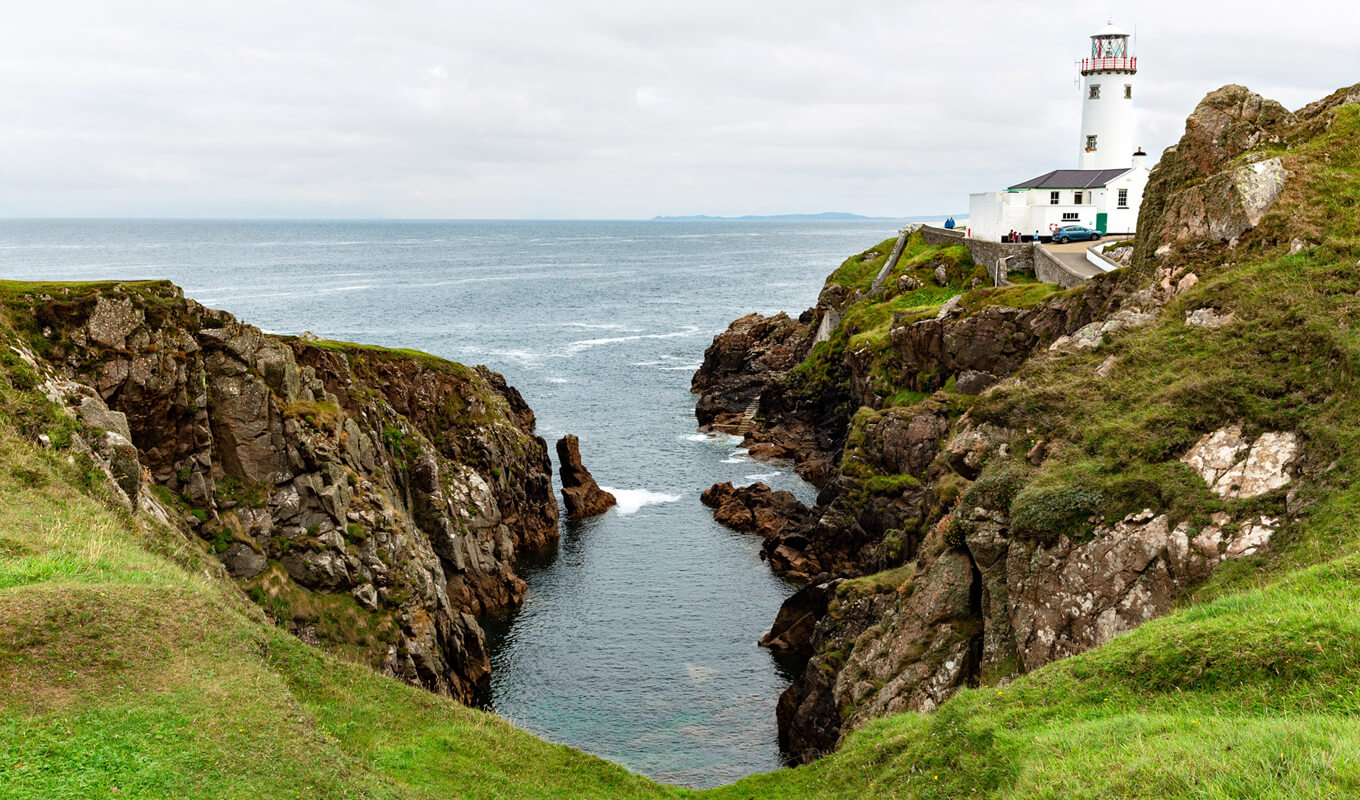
(638, 638)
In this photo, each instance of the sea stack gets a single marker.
(583, 496)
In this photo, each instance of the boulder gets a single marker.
(112, 320)
(1092, 336)
(972, 381)
(970, 448)
(242, 561)
(1208, 318)
(1233, 468)
(584, 497)
(755, 509)
(96, 414)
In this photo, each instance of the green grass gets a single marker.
(858, 272)
(11, 290)
(425, 360)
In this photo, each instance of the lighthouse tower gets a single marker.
(1107, 101)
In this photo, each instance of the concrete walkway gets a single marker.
(1073, 255)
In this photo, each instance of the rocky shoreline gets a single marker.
(932, 559)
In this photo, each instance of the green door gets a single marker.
(1103, 223)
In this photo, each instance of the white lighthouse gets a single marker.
(1107, 101)
(1105, 191)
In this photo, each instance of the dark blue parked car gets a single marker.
(1074, 233)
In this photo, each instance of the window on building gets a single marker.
(1091, 143)
(1095, 91)
(1070, 216)
(1123, 198)
(1076, 198)
(1128, 91)
(1053, 198)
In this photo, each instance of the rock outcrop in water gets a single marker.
(968, 530)
(371, 500)
(582, 495)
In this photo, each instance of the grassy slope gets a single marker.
(125, 665)
(125, 669)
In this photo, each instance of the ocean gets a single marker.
(637, 641)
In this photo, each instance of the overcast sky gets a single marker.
(592, 109)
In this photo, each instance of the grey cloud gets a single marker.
(592, 108)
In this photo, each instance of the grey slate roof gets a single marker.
(1072, 179)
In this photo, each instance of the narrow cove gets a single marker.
(637, 639)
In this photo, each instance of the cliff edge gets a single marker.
(370, 500)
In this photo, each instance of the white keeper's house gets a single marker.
(1105, 191)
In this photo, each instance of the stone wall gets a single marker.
(1049, 269)
(935, 235)
(984, 252)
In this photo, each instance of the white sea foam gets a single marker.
(558, 380)
(712, 436)
(739, 456)
(761, 476)
(586, 344)
(525, 358)
(596, 326)
(687, 367)
(631, 500)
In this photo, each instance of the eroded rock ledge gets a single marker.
(371, 500)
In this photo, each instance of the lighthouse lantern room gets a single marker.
(1107, 101)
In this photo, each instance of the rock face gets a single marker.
(583, 497)
(889, 476)
(946, 550)
(741, 361)
(796, 623)
(391, 491)
(1196, 192)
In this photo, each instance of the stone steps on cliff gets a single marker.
(748, 418)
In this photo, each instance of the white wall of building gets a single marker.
(992, 215)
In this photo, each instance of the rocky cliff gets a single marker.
(371, 500)
(1013, 476)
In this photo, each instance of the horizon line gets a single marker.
(656, 218)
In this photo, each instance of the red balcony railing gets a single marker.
(1122, 63)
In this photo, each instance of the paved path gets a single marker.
(1074, 256)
